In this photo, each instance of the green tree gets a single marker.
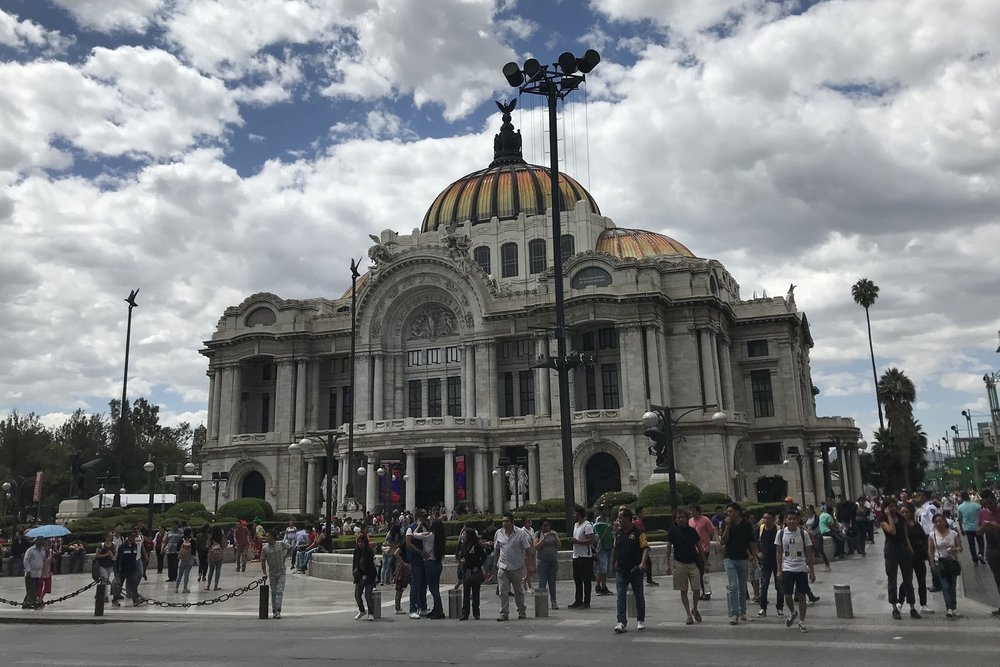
(865, 293)
(143, 438)
(897, 393)
(25, 449)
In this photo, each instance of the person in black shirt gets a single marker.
(630, 558)
(738, 547)
(769, 565)
(129, 562)
(898, 559)
(682, 541)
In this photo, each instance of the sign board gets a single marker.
(592, 276)
(37, 496)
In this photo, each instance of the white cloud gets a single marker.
(19, 34)
(113, 15)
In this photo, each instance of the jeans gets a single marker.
(418, 587)
(993, 560)
(159, 561)
(975, 540)
(470, 593)
(736, 588)
(202, 563)
(511, 579)
(948, 591)
(365, 586)
(769, 570)
(30, 591)
(184, 573)
(898, 559)
(385, 576)
(583, 572)
(172, 566)
(622, 581)
(432, 569)
(304, 558)
(548, 570)
(838, 544)
(132, 584)
(214, 570)
(275, 580)
(920, 574)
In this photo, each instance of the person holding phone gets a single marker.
(898, 559)
(630, 559)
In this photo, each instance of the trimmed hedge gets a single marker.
(615, 499)
(658, 494)
(549, 505)
(713, 498)
(186, 509)
(248, 509)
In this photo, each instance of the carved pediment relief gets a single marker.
(431, 322)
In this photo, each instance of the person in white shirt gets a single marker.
(512, 544)
(583, 558)
(926, 511)
(944, 545)
(34, 559)
(795, 567)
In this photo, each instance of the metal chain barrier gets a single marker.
(46, 603)
(203, 603)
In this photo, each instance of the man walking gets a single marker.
(413, 548)
(34, 559)
(767, 549)
(272, 564)
(511, 544)
(926, 511)
(739, 547)
(630, 559)
(706, 532)
(968, 518)
(583, 561)
(683, 562)
(172, 544)
(795, 567)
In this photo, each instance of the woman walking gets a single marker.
(471, 559)
(364, 574)
(389, 547)
(547, 561)
(185, 561)
(433, 567)
(898, 559)
(105, 559)
(45, 581)
(918, 543)
(216, 552)
(811, 523)
(204, 537)
(944, 545)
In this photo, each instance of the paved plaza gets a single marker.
(318, 625)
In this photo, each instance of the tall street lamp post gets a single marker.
(661, 428)
(123, 408)
(349, 502)
(555, 82)
(218, 478)
(991, 380)
(329, 442)
(150, 469)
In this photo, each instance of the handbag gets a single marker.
(949, 567)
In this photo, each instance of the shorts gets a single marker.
(602, 561)
(686, 576)
(795, 583)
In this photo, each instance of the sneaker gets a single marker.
(956, 614)
(277, 615)
(187, 590)
(779, 611)
(934, 589)
(949, 615)
(914, 613)
(620, 628)
(424, 612)
(641, 625)
(371, 617)
(995, 613)
(896, 616)
(574, 605)
(689, 621)
(813, 601)
(762, 612)
(734, 620)
(400, 611)
(803, 628)
(743, 618)
(520, 617)
(358, 616)
(651, 583)
(706, 596)
(553, 606)
(791, 618)
(414, 615)
(696, 614)
(925, 610)
(502, 618)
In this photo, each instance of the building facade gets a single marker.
(453, 321)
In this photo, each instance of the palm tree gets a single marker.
(897, 393)
(865, 293)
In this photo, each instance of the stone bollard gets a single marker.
(632, 612)
(265, 592)
(842, 598)
(541, 604)
(454, 603)
(99, 598)
(377, 603)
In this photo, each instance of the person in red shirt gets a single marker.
(706, 533)
(241, 538)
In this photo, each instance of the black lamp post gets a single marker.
(150, 469)
(968, 421)
(555, 82)
(218, 478)
(793, 452)
(661, 428)
(349, 501)
(329, 442)
(123, 409)
(104, 481)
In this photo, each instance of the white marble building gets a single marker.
(452, 319)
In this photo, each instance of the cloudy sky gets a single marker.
(203, 150)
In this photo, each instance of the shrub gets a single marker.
(105, 512)
(710, 499)
(614, 499)
(185, 509)
(659, 494)
(547, 506)
(248, 509)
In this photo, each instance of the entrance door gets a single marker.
(430, 481)
(603, 474)
(771, 489)
(253, 485)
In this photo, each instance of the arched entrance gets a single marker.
(771, 489)
(603, 474)
(253, 485)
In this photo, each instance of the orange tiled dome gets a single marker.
(639, 243)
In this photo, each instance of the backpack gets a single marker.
(215, 553)
(185, 550)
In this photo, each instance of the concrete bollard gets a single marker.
(377, 603)
(842, 598)
(265, 592)
(541, 604)
(99, 599)
(454, 603)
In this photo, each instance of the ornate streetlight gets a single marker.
(218, 479)
(349, 484)
(150, 469)
(330, 443)
(123, 409)
(555, 82)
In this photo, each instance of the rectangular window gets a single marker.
(265, 372)
(508, 260)
(453, 354)
(609, 386)
(506, 350)
(756, 348)
(524, 348)
(331, 414)
(767, 453)
(415, 399)
(607, 339)
(455, 396)
(590, 388)
(763, 400)
(434, 397)
(481, 256)
(567, 246)
(434, 356)
(526, 380)
(536, 256)
(265, 413)
(508, 394)
(587, 341)
(345, 394)
(413, 358)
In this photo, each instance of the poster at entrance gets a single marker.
(390, 491)
(460, 477)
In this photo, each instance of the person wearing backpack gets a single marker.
(604, 536)
(795, 567)
(201, 543)
(216, 552)
(185, 560)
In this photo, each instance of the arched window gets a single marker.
(713, 285)
(508, 260)
(261, 316)
(481, 255)
(567, 246)
(536, 256)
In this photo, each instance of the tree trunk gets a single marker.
(871, 350)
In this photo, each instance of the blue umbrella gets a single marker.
(50, 530)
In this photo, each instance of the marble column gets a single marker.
(300, 396)
(652, 338)
(283, 395)
(497, 482)
(371, 482)
(631, 381)
(726, 372)
(543, 397)
(859, 485)
(817, 461)
(378, 410)
(220, 379)
(311, 485)
(481, 480)
(411, 483)
(707, 365)
(534, 484)
(846, 483)
(662, 340)
(486, 381)
(341, 478)
(468, 383)
(449, 478)
(313, 399)
(362, 388)
(236, 425)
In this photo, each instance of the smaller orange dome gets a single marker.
(639, 244)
